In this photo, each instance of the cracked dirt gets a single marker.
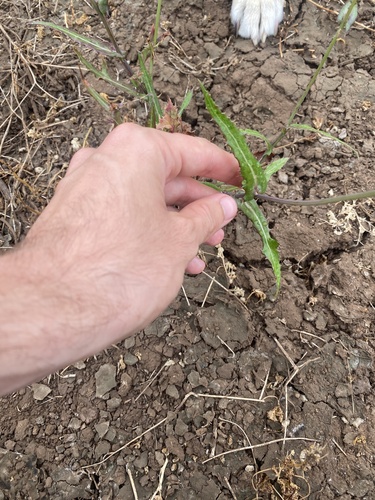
(298, 373)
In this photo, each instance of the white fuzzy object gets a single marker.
(257, 19)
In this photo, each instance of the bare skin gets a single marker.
(109, 252)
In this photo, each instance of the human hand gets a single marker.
(110, 250)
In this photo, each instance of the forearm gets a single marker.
(57, 307)
(47, 321)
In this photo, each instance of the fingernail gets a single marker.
(229, 207)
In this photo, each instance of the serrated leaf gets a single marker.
(258, 135)
(156, 111)
(252, 173)
(252, 210)
(274, 167)
(92, 43)
(303, 126)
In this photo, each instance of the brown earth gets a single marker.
(225, 367)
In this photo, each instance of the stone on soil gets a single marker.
(105, 379)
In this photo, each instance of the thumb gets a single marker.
(207, 215)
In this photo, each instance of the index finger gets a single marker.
(179, 154)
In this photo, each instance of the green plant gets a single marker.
(256, 173)
(140, 85)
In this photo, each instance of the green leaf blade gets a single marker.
(252, 173)
(185, 102)
(258, 135)
(252, 210)
(91, 43)
(98, 97)
(274, 167)
(104, 75)
(304, 126)
(352, 16)
(153, 99)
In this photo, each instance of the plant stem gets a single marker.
(103, 19)
(157, 22)
(316, 74)
(323, 201)
(156, 33)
